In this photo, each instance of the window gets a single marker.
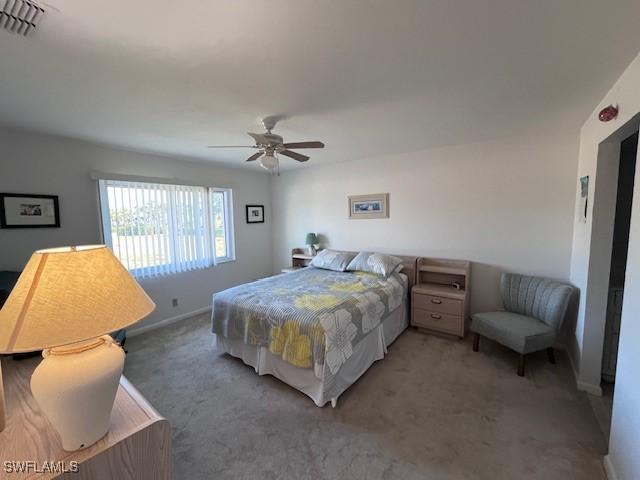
(157, 229)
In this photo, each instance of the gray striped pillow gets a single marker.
(378, 263)
(332, 260)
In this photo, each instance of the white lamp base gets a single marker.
(76, 386)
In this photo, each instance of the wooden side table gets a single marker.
(440, 299)
(137, 446)
(300, 258)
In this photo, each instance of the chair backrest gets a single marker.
(541, 298)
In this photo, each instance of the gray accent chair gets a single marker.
(534, 311)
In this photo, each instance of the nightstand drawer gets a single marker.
(449, 306)
(453, 324)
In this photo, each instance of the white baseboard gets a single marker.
(589, 388)
(609, 471)
(167, 321)
(580, 385)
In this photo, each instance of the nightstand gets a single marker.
(300, 258)
(137, 446)
(440, 299)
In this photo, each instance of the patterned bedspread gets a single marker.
(309, 317)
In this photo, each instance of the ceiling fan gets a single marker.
(272, 145)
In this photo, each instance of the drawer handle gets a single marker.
(436, 301)
(436, 316)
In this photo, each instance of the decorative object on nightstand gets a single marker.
(440, 299)
(65, 302)
(312, 241)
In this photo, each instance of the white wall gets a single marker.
(40, 164)
(586, 273)
(504, 205)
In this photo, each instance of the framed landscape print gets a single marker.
(375, 205)
(29, 211)
(255, 213)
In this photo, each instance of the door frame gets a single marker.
(605, 190)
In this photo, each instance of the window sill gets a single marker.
(137, 273)
(225, 260)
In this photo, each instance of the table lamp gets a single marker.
(312, 241)
(64, 303)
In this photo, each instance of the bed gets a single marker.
(316, 330)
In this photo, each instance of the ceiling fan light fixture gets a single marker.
(269, 161)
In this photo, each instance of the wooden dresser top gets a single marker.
(29, 436)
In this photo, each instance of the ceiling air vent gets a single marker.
(20, 16)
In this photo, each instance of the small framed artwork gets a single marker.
(584, 198)
(255, 213)
(375, 205)
(19, 210)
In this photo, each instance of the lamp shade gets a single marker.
(312, 239)
(67, 295)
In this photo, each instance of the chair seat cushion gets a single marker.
(518, 332)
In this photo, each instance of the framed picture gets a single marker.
(584, 198)
(375, 205)
(29, 211)
(255, 213)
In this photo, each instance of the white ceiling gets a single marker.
(366, 77)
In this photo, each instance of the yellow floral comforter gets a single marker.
(310, 317)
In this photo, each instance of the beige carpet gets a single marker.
(432, 409)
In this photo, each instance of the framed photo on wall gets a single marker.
(584, 198)
(375, 205)
(255, 213)
(18, 210)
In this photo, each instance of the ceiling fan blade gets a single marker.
(255, 156)
(232, 146)
(258, 137)
(304, 145)
(296, 156)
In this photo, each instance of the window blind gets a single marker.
(157, 229)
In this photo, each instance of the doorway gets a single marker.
(618, 264)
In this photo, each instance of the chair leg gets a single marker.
(476, 342)
(551, 355)
(521, 366)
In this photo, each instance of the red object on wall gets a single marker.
(608, 113)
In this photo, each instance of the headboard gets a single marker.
(410, 269)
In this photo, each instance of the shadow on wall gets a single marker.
(485, 296)
(323, 240)
(485, 293)
(485, 287)
(567, 333)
